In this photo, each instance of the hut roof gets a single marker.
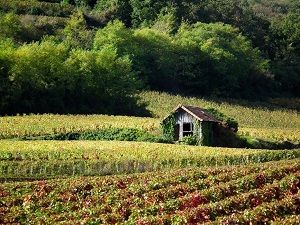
(199, 113)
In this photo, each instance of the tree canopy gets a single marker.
(84, 56)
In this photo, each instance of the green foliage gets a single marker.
(7, 51)
(257, 143)
(190, 140)
(273, 8)
(286, 34)
(144, 12)
(63, 2)
(218, 50)
(36, 8)
(231, 123)
(10, 26)
(168, 127)
(234, 59)
(34, 72)
(115, 35)
(153, 57)
(76, 33)
(290, 28)
(35, 28)
(207, 138)
(81, 3)
(109, 10)
(167, 20)
(113, 134)
(148, 49)
(51, 77)
(225, 137)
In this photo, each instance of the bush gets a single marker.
(231, 123)
(51, 1)
(36, 8)
(116, 134)
(256, 143)
(190, 140)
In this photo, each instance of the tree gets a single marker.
(233, 12)
(114, 34)
(148, 49)
(153, 57)
(144, 12)
(76, 32)
(291, 30)
(119, 81)
(7, 50)
(167, 21)
(53, 77)
(109, 10)
(286, 39)
(10, 26)
(101, 81)
(36, 75)
(233, 57)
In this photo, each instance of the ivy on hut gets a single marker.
(168, 127)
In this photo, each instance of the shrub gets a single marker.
(36, 8)
(190, 140)
(256, 143)
(231, 123)
(114, 134)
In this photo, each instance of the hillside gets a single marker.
(259, 116)
(93, 56)
(84, 85)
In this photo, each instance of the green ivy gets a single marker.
(207, 139)
(168, 127)
(232, 124)
(190, 140)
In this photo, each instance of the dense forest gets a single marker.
(94, 56)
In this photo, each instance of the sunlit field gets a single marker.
(122, 182)
(278, 124)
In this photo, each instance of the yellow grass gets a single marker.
(291, 135)
(160, 104)
(36, 125)
(277, 124)
(118, 150)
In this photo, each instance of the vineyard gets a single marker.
(37, 125)
(255, 194)
(85, 85)
(128, 182)
(50, 159)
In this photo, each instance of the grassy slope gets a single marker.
(36, 125)
(246, 113)
(42, 159)
(276, 123)
(261, 121)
